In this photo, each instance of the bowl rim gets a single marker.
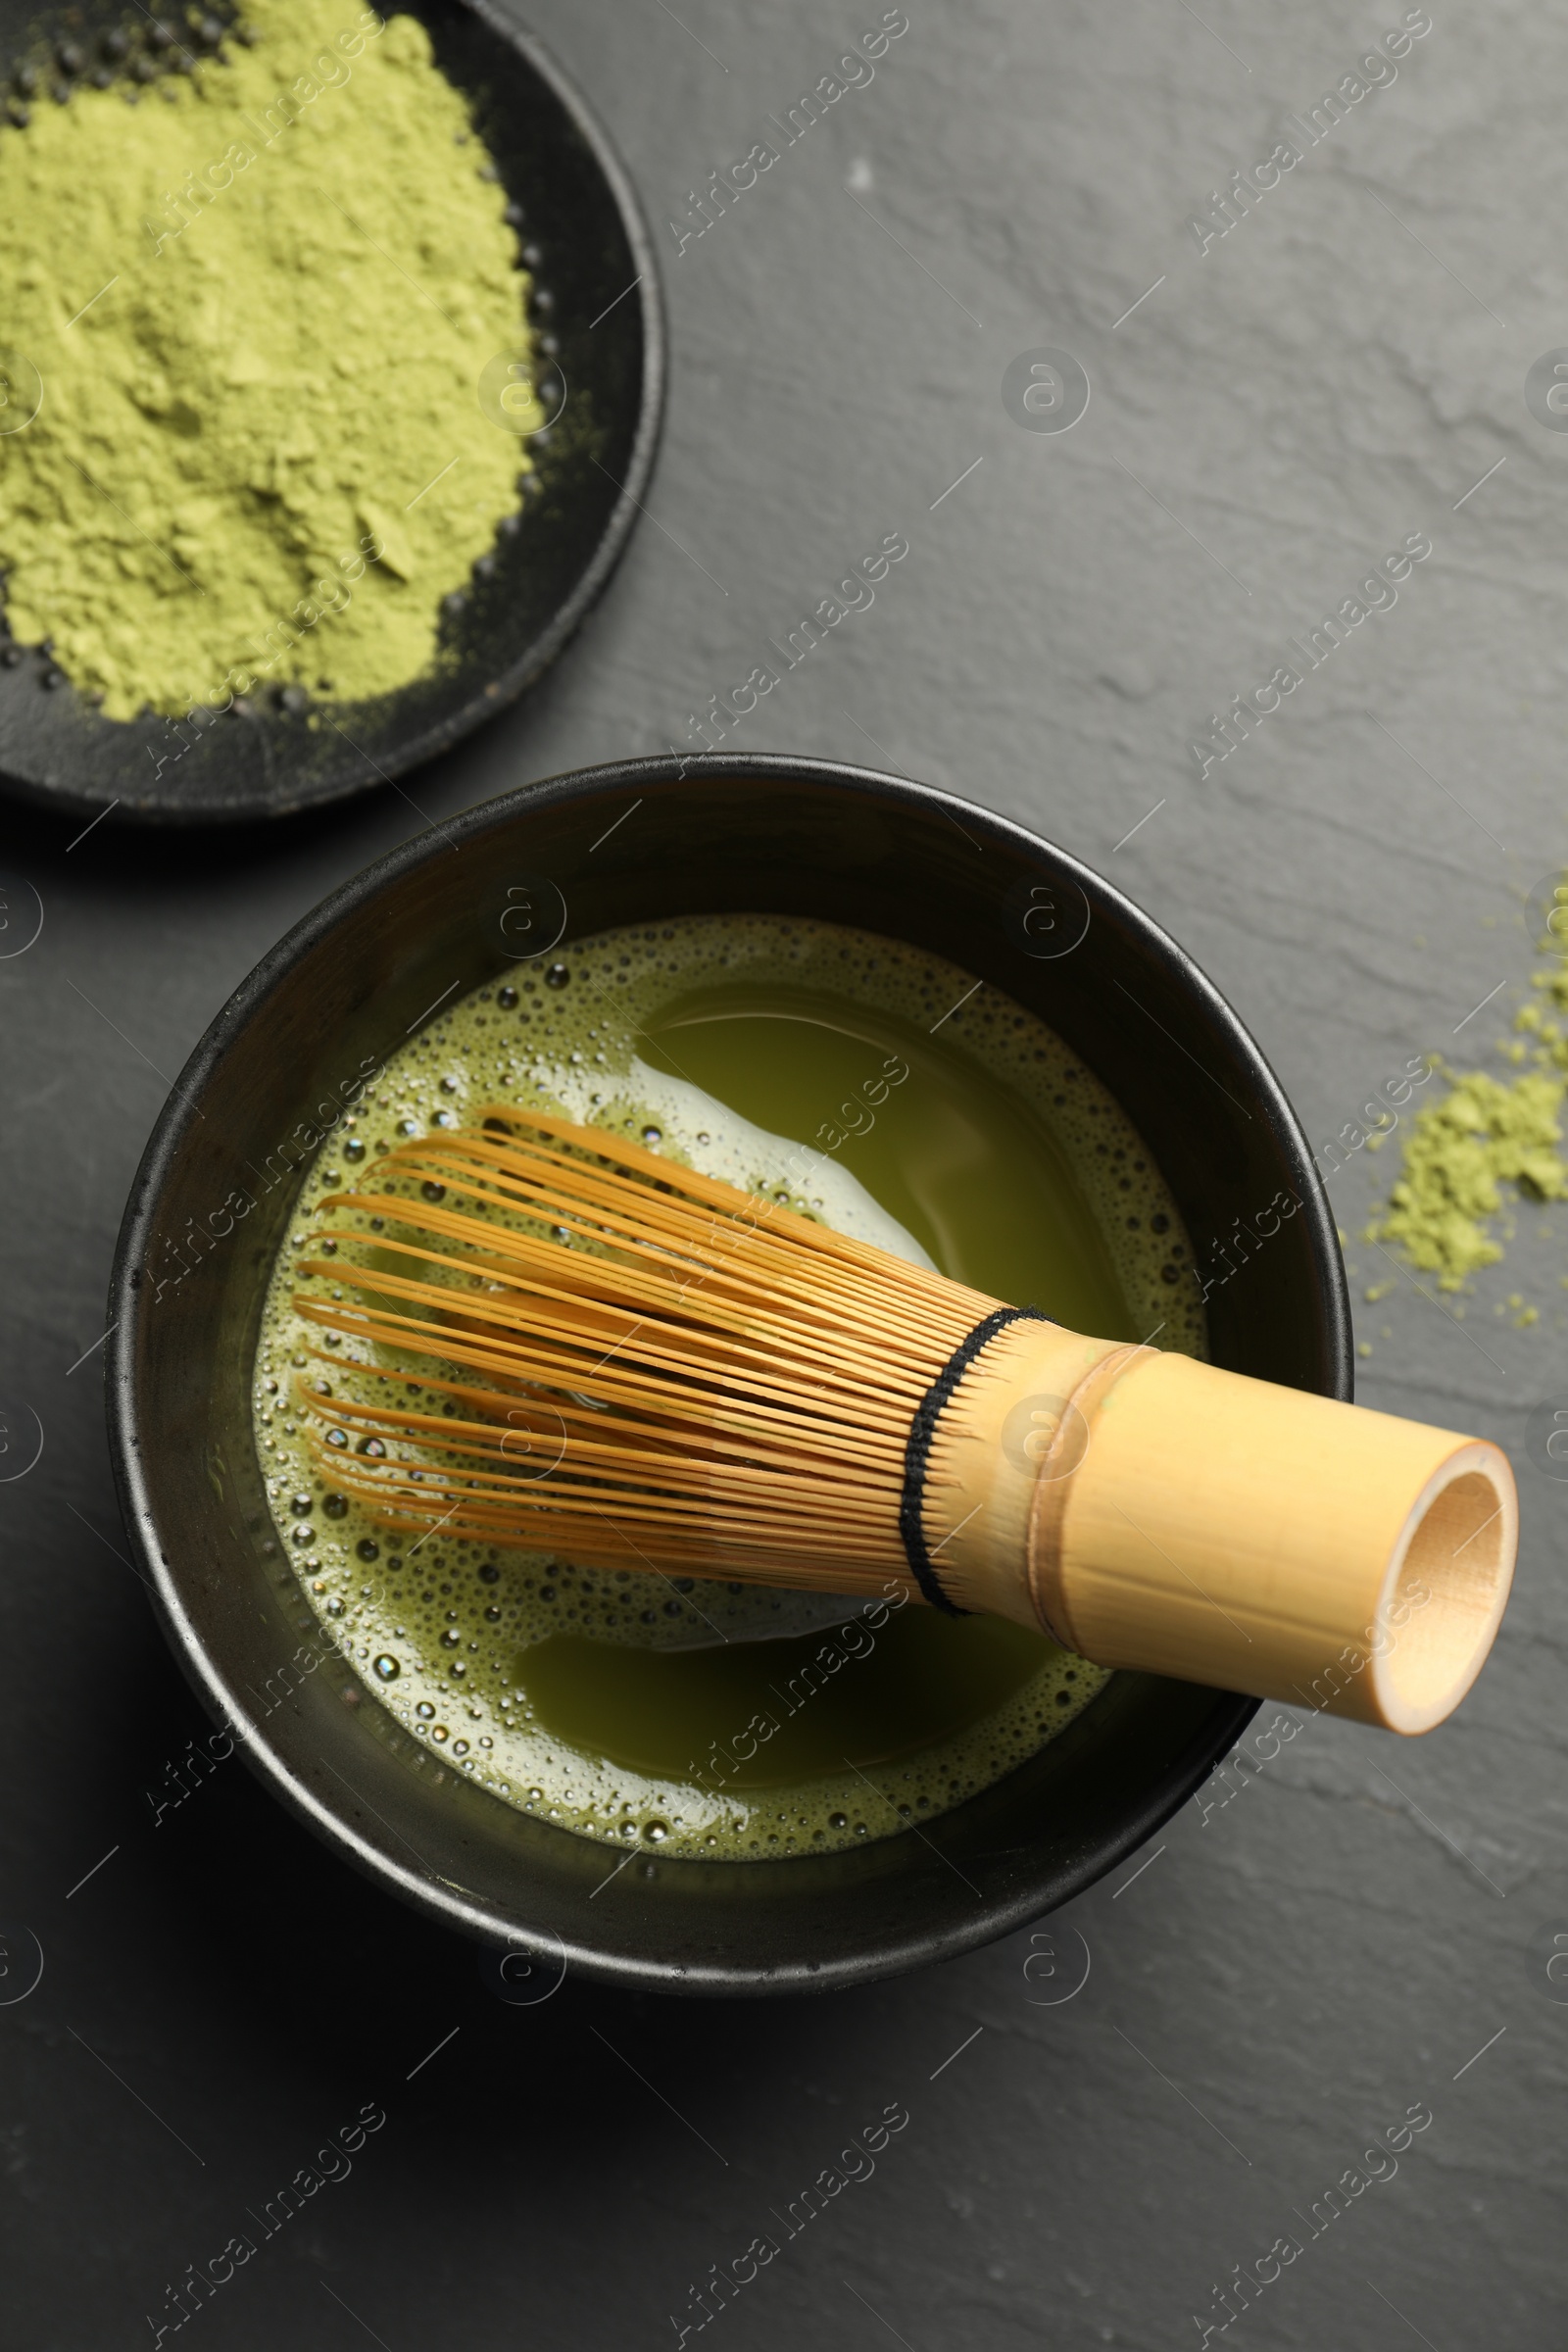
(1170, 1785)
(536, 657)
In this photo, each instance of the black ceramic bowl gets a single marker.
(598, 274)
(214, 1196)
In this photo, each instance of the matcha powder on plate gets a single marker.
(251, 305)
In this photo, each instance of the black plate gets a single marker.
(579, 208)
(215, 1195)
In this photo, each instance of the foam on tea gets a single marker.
(722, 1720)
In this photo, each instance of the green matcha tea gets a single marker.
(728, 1720)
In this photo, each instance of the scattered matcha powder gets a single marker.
(259, 296)
(1485, 1141)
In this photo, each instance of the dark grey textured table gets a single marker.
(1363, 1928)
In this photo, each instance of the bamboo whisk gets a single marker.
(565, 1343)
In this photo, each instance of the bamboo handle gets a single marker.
(1192, 1522)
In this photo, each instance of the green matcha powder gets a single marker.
(1483, 1145)
(247, 306)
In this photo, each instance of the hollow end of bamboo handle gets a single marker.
(1225, 1531)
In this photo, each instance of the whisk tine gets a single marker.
(618, 1357)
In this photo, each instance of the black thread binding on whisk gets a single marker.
(918, 1452)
